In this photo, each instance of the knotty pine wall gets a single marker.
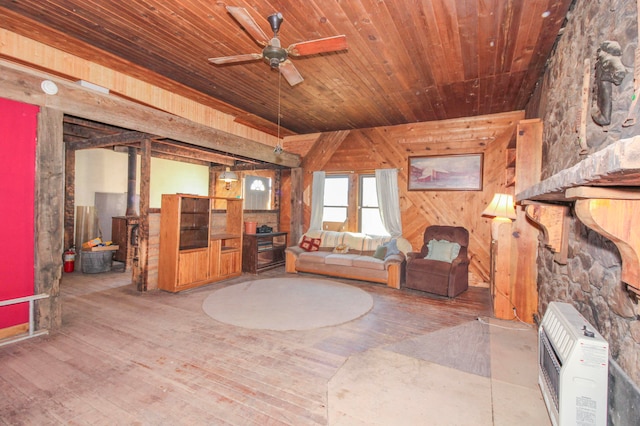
(391, 147)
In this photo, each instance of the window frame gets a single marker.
(346, 207)
(354, 197)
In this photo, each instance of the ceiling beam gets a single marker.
(111, 140)
(181, 151)
(23, 84)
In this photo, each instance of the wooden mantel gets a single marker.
(605, 188)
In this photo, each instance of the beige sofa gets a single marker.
(357, 263)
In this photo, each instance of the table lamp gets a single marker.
(502, 211)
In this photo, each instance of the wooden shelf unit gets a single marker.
(263, 251)
(192, 253)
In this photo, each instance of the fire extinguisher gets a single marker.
(69, 258)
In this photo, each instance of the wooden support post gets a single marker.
(70, 197)
(213, 174)
(49, 218)
(141, 267)
(297, 183)
(524, 268)
(501, 283)
(131, 181)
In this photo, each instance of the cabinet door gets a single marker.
(230, 263)
(193, 266)
(214, 258)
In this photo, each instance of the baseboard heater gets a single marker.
(573, 366)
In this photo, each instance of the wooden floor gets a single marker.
(128, 358)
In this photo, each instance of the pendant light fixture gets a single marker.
(228, 176)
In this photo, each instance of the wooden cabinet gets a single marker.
(263, 251)
(195, 248)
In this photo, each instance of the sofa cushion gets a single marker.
(392, 248)
(331, 238)
(380, 252)
(368, 262)
(313, 256)
(354, 240)
(435, 268)
(340, 259)
(371, 242)
(310, 244)
(442, 250)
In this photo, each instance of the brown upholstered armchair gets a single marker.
(433, 272)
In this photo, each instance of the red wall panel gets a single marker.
(18, 129)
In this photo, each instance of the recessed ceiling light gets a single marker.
(546, 13)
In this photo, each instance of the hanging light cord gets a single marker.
(279, 85)
(278, 148)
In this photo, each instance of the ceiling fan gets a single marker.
(273, 53)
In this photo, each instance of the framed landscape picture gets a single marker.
(445, 173)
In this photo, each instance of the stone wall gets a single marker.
(559, 97)
(591, 278)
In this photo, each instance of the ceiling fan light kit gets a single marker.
(273, 53)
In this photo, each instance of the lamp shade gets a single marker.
(228, 176)
(500, 206)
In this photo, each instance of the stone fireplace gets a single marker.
(592, 279)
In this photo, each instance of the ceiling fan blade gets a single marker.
(290, 73)
(249, 24)
(321, 45)
(235, 58)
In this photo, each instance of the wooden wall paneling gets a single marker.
(300, 144)
(355, 153)
(322, 150)
(316, 159)
(49, 217)
(436, 207)
(525, 247)
(390, 147)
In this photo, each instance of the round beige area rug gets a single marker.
(287, 304)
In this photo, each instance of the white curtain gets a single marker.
(317, 201)
(389, 200)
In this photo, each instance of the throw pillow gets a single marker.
(310, 244)
(341, 249)
(392, 248)
(442, 250)
(380, 253)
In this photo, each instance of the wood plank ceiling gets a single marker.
(407, 61)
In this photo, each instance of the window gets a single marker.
(370, 220)
(257, 193)
(336, 198)
(364, 215)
